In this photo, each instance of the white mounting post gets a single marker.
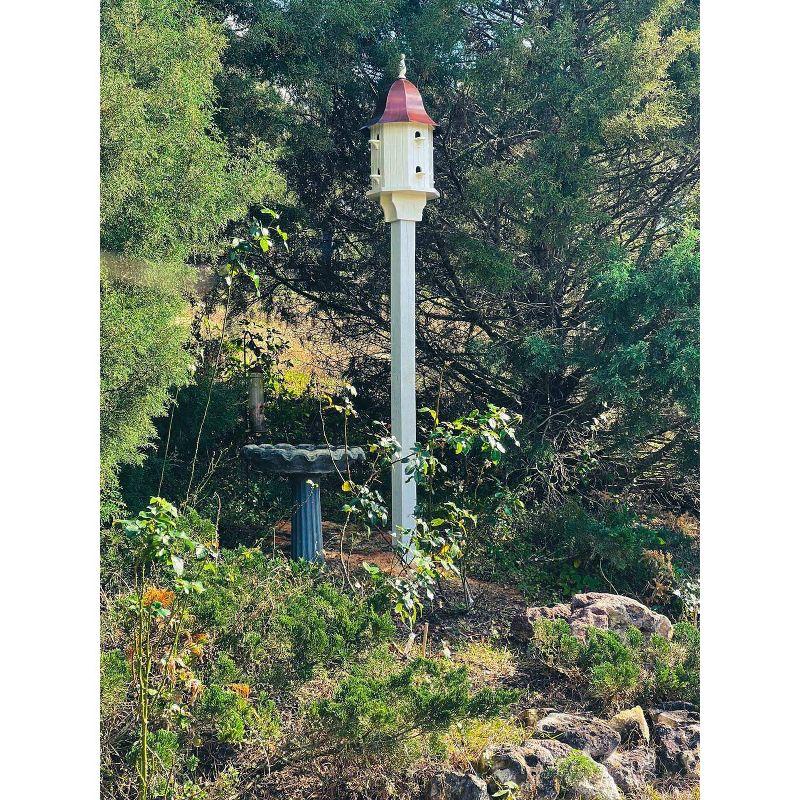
(401, 179)
(404, 395)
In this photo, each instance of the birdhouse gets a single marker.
(401, 153)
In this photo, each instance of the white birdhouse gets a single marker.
(401, 153)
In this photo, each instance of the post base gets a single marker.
(306, 540)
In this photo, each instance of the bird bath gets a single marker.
(303, 463)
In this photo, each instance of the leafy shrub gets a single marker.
(676, 664)
(616, 669)
(381, 706)
(278, 621)
(169, 181)
(226, 712)
(554, 644)
(553, 555)
(613, 662)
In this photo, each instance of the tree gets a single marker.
(558, 273)
(170, 185)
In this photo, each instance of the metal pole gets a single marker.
(404, 401)
(255, 402)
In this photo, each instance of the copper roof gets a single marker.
(403, 103)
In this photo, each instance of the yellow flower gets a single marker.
(242, 689)
(155, 595)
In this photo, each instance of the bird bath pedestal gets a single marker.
(303, 463)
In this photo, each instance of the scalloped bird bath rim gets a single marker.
(300, 459)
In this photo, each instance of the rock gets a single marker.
(615, 612)
(631, 725)
(678, 705)
(506, 763)
(632, 770)
(543, 757)
(598, 787)
(676, 735)
(452, 785)
(522, 625)
(595, 737)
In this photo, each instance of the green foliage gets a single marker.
(155, 622)
(169, 181)
(676, 665)
(169, 185)
(226, 713)
(443, 465)
(277, 622)
(552, 555)
(613, 663)
(115, 677)
(381, 706)
(554, 644)
(143, 327)
(576, 767)
(617, 669)
(560, 270)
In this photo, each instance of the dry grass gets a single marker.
(486, 663)
(466, 742)
(685, 794)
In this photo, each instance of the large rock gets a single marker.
(676, 736)
(595, 737)
(543, 757)
(632, 770)
(631, 725)
(452, 785)
(613, 612)
(600, 786)
(506, 763)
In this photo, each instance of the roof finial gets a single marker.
(401, 73)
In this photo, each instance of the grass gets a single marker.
(464, 743)
(485, 662)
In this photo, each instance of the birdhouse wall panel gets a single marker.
(401, 157)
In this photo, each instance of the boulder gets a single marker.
(600, 786)
(506, 763)
(595, 737)
(631, 725)
(543, 757)
(452, 785)
(632, 770)
(676, 736)
(615, 612)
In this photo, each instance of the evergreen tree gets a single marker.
(169, 186)
(558, 273)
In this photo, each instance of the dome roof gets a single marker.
(403, 103)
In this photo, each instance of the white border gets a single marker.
(49, 330)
